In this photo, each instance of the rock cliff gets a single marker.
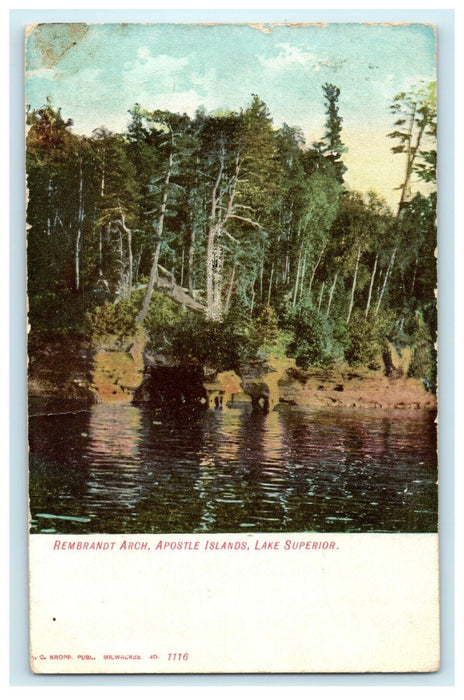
(123, 372)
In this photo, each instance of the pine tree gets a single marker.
(331, 146)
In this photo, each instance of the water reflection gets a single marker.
(117, 479)
(127, 469)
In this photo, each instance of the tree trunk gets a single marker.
(80, 217)
(130, 271)
(387, 275)
(213, 230)
(231, 285)
(313, 273)
(332, 289)
(353, 287)
(303, 273)
(218, 267)
(138, 258)
(49, 205)
(190, 260)
(210, 251)
(130, 257)
(156, 253)
(414, 275)
(214, 249)
(253, 294)
(297, 281)
(100, 246)
(102, 182)
(320, 296)
(286, 269)
(371, 286)
(411, 157)
(122, 281)
(269, 291)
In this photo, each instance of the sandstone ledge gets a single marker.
(68, 368)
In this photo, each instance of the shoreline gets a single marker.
(67, 374)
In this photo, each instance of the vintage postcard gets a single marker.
(231, 236)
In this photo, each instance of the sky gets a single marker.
(96, 73)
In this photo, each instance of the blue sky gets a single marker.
(95, 73)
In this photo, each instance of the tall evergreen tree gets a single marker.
(331, 145)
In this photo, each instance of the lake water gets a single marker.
(126, 469)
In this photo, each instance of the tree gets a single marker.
(381, 227)
(322, 204)
(266, 325)
(220, 164)
(417, 122)
(312, 342)
(350, 235)
(257, 193)
(118, 197)
(172, 128)
(414, 280)
(61, 199)
(50, 144)
(237, 159)
(292, 197)
(331, 146)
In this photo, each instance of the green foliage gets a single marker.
(113, 320)
(55, 312)
(278, 347)
(260, 166)
(331, 145)
(214, 344)
(119, 319)
(162, 316)
(365, 341)
(312, 342)
(416, 124)
(271, 219)
(423, 361)
(266, 326)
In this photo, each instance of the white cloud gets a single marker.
(290, 57)
(143, 52)
(150, 75)
(88, 75)
(146, 65)
(205, 80)
(388, 87)
(44, 74)
(117, 119)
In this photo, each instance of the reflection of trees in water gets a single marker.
(114, 433)
(170, 445)
(57, 476)
(310, 449)
(316, 444)
(242, 471)
(352, 470)
(265, 475)
(138, 477)
(116, 477)
(135, 470)
(220, 446)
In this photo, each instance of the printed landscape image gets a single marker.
(231, 278)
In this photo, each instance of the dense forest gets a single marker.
(223, 236)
